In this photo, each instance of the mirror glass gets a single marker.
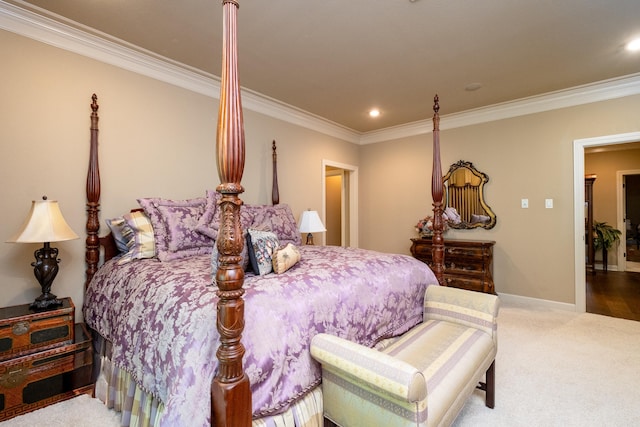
(465, 206)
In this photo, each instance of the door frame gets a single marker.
(578, 209)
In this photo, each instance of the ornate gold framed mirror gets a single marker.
(465, 206)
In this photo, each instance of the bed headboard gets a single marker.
(94, 242)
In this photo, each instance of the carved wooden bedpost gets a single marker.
(230, 392)
(92, 242)
(275, 194)
(436, 193)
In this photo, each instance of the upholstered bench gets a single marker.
(421, 378)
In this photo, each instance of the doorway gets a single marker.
(579, 146)
(340, 203)
(629, 192)
(335, 180)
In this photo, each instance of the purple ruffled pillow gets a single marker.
(208, 223)
(174, 225)
(283, 224)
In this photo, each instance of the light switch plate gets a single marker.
(524, 203)
(548, 203)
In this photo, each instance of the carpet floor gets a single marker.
(554, 368)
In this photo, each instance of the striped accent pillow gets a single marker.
(139, 237)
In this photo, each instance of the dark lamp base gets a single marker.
(45, 302)
(309, 239)
(45, 268)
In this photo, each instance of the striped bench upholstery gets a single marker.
(421, 378)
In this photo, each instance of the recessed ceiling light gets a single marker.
(374, 112)
(472, 86)
(634, 45)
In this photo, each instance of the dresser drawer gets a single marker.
(39, 379)
(468, 264)
(24, 331)
(464, 282)
(465, 252)
(422, 251)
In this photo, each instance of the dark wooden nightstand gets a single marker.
(44, 358)
(468, 263)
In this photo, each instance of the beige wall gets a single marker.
(155, 140)
(524, 157)
(44, 109)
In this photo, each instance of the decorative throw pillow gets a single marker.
(174, 223)
(208, 223)
(285, 258)
(262, 245)
(181, 222)
(283, 223)
(140, 238)
(118, 229)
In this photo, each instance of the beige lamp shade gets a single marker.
(44, 223)
(310, 222)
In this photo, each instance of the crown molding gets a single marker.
(98, 46)
(52, 32)
(579, 95)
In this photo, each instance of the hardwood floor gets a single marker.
(615, 294)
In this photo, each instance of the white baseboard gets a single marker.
(528, 302)
(600, 267)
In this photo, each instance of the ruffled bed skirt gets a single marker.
(118, 391)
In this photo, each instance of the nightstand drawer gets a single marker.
(39, 379)
(23, 331)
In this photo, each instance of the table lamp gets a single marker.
(44, 224)
(310, 223)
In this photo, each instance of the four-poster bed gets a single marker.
(245, 385)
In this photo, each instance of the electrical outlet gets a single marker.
(524, 203)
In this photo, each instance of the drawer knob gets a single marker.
(13, 379)
(20, 328)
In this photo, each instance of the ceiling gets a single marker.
(337, 59)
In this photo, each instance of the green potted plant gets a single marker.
(605, 237)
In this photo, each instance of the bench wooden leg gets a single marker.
(489, 386)
(329, 423)
(490, 399)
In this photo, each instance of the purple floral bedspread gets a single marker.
(161, 319)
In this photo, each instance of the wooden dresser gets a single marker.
(44, 358)
(468, 263)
